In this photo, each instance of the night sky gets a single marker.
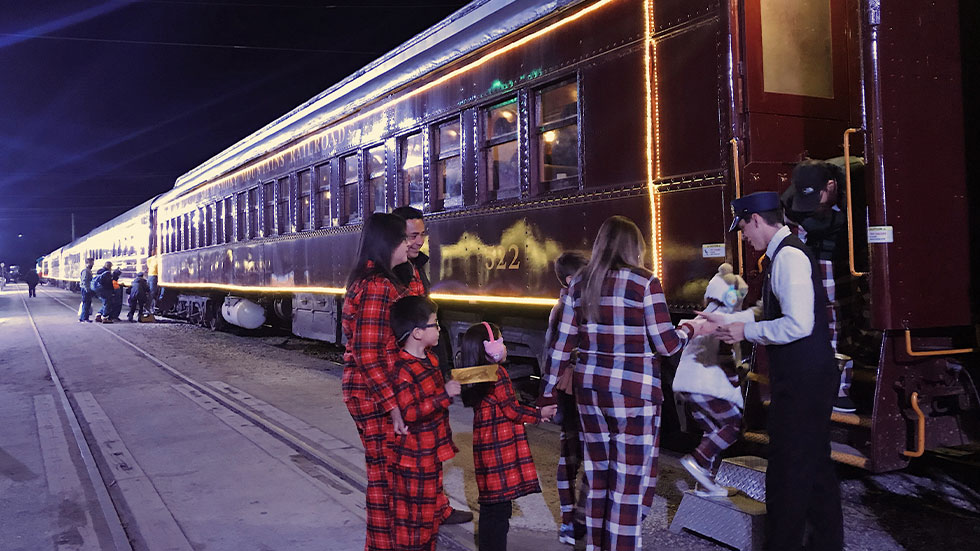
(103, 104)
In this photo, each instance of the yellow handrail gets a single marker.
(920, 429)
(850, 207)
(926, 353)
(738, 194)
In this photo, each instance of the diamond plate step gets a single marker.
(747, 473)
(735, 521)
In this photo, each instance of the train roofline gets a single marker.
(468, 29)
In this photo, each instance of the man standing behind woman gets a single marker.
(614, 314)
(372, 288)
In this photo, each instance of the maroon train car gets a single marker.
(519, 126)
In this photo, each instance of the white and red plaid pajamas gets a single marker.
(719, 419)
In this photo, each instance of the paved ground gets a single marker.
(225, 489)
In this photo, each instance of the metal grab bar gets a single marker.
(927, 353)
(738, 194)
(920, 429)
(850, 206)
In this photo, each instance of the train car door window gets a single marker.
(449, 170)
(376, 179)
(500, 148)
(209, 225)
(349, 191)
(283, 218)
(240, 216)
(229, 219)
(557, 134)
(269, 221)
(410, 171)
(254, 210)
(323, 195)
(215, 223)
(303, 205)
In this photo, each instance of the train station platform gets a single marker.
(171, 436)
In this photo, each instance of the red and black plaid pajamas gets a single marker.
(368, 393)
(418, 500)
(501, 456)
(719, 419)
(617, 382)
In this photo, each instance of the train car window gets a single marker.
(186, 245)
(323, 195)
(199, 228)
(410, 171)
(283, 218)
(216, 223)
(449, 170)
(349, 191)
(305, 178)
(376, 179)
(500, 148)
(254, 212)
(229, 225)
(269, 222)
(557, 134)
(209, 225)
(241, 233)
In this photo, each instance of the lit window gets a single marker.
(242, 208)
(376, 179)
(349, 193)
(254, 212)
(303, 205)
(410, 155)
(283, 212)
(500, 148)
(323, 196)
(557, 117)
(269, 198)
(215, 219)
(449, 171)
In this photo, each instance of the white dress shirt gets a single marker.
(792, 284)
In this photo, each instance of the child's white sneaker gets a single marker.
(566, 534)
(703, 476)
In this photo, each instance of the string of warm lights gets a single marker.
(653, 140)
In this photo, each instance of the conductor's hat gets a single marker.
(744, 207)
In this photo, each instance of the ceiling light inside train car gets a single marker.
(278, 158)
(550, 136)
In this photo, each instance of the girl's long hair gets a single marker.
(619, 244)
(472, 353)
(382, 234)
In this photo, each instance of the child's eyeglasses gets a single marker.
(428, 325)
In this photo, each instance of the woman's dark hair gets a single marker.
(472, 353)
(568, 264)
(382, 234)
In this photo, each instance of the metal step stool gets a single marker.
(746, 473)
(737, 521)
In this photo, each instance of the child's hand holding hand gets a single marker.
(453, 388)
(548, 412)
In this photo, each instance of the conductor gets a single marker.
(801, 485)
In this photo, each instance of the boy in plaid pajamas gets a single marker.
(814, 203)
(418, 501)
(708, 385)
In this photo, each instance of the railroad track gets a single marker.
(333, 465)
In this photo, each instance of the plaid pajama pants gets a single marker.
(827, 269)
(571, 457)
(376, 431)
(419, 506)
(621, 442)
(720, 421)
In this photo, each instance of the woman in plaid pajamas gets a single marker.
(616, 317)
(502, 458)
(369, 361)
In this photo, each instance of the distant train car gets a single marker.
(517, 127)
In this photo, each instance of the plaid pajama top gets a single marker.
(501, 456)
(371, 348)
(616, 352)
(420, 391)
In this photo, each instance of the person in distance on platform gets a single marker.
(369, 361)
(419, 502)
(415, 271)
(102, 287)
(31, 279)
(501, 456)
(138, 295)
(615, 316)
(85, 284)
(115, 304)
(708, 386)
(802, 492)
(570, 458)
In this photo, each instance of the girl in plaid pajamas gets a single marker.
(615, 316)
(501, 455)
(708, 385)
(369, 361)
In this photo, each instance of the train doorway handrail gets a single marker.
(850, 206)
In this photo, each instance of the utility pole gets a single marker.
(73, 227)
